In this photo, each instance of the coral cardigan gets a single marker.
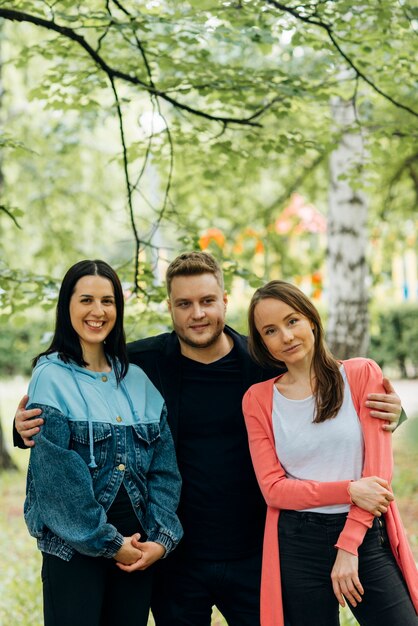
(364, 377)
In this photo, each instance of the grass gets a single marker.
(20, 585)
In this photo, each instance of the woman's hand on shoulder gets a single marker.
(151, 551)
(386, 406)
(345, 580)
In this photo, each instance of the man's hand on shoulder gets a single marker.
(385, 406)
(27, 423)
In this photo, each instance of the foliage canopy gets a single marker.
(134, 127)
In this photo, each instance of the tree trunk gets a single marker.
(347, 332)
(6, 462)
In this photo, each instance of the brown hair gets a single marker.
(193, 264)
(329, 385)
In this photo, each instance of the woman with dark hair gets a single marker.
(311, 440)
(103, 484)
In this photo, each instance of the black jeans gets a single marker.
(186, 589)
(87, 591)
(307, 555)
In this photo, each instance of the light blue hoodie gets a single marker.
(96, 436)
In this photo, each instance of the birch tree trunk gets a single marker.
(347, 332)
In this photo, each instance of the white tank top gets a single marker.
(330, 451)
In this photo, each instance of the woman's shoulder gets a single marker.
(360, 365)
(136, 375)
(260, 390)
(363, 374)
(48, 379)
(143, 392)
(49, 368)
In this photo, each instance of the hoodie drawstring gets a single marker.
(92, 463)
(131, 404)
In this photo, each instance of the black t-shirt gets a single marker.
(221, 507)
(122, 515)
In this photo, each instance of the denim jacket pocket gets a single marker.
(80, 440)
(146, 437)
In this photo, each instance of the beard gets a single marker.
(205, 342)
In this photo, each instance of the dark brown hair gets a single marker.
(66, 341)
(329, 385)
(193, 264)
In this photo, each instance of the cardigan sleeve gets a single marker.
(364, 377)
(279, 491)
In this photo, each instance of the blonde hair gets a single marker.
(193, 264)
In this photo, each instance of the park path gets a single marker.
(407, 390)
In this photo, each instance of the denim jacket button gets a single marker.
(118, 418)
(121, 467)
(104, 378)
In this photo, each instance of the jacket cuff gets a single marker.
(402, 418)
(113, 546)
(17, 439)
(165, 541)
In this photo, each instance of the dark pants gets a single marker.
(307, 555)
(186, 589)
(87, 591)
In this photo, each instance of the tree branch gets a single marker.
(294, 184)
(407, 165)
(128, 184)
(10, 214)
(154, 100)
(113, 73)
(328, 29)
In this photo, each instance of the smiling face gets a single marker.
(92, 310)
(286, 333)
(197, 305)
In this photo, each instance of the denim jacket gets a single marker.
(95, 437)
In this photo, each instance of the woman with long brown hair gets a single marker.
(103, 484)
(310, 436)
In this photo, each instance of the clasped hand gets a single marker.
(371, 494)
(136, 555)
